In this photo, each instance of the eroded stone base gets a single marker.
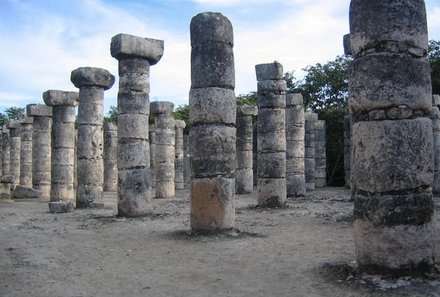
(271, 192)
(61, 206)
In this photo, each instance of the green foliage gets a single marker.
(247, 99)
(434, 59)
(182, 113)
(112, 115)
(12, 113)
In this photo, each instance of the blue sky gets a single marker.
(42, 41)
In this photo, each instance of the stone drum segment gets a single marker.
(92, 82)
(41, 147)
(110, 157)
(15, 147)
(135, 56)
(271, 135)
(320, 155)
(392, 137)
(27, 128)
(165, 150)
(62, 198)
(295, 171)
(212, 114)
(178, 162)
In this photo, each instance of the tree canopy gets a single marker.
(11, 113)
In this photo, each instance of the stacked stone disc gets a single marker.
(135, 56)
(244, 175)
(392, 170)
(271, 135)
(62, 194)
(435, 117)
(92, 82)
(178, 162)
(165, 150)
(320, 155)
(110, 157)
(309, 149)
(15, 148)
(295, 175)
(213, 116)
(27, 129)
(41, 147)
(347, 150)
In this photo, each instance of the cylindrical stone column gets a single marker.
(392, 170)
(15, 147)
(165, 150)
(6, 151)
(295, 175)
(110, 157)
(347, 150)
(135, 56)
(213, 115)
(92, 82)
(244, 175)
(309, 149)
(186, 163)
(27, 128)
(271, 129)
(435, 117)
(178, 161)
(152, 141)
(41, 147)
(1, 154)
(63, 104)
(320, 155)
(255, 151)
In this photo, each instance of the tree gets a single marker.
(247, 99)
(182, 113)
(12, 113)
(112, 115)
(434, 59)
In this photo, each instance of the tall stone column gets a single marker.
(15, 147)
(244, 175)
(63, 105)
(347, 150)
(152, 141)
(41, 147)
(392, 170)
(92, 82)
(435, 117)
(320, 155)
(178, 161)
(110, 157)
(271, 187)
(213, 114)
(165, 150)
(186, 164)
(27, 128)
(309, 150)
(6, 151)
(135, 56)
(295, 172)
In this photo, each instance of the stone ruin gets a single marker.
(391, 137)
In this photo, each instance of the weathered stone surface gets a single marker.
(133, 126)
(128, 46)
(209, 27)
(179, 155)
(92, 77)
(270, 100)
(392, 155)
(57, 97)
(130, 65)
(277, 87)
(91, 113)
(269, 71)
(347, 44)
(110, 157)
(89, 196)
(212, 105)
(158, 107)
(40, 110)
(390, 80)
(295, 185)
(247, 110)
(244, 180)
(132, 153)
(5, 189)
(212, 203)
(134, 192)
(133, 103)
(273, 165)
(271, 192)
(90, 142)
(23, 192)
(61, 206)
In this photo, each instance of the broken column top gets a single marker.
(179, 124)
(211, 27)
(269, 71)
(13, 124)
(247, 110)
(92, 77)
(27, 120)
(38, 110)
(56, 97)
(311, 116)
(125, 45)
(110, 126)
(161, 107)
(294, 99)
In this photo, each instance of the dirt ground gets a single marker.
(305, 249)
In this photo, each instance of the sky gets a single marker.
(42, 41)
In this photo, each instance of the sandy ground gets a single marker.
(305, 249)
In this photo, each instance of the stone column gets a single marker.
(295, 175)
(320, 155)
(165, 151)
(92, 82)
(271, 187)
(63, 105)
(347, 150)
(110, 157)
(309, 150)
(435, 117)
(244, 175)
(15, 147)
(1, 153)
(213, 114)
(186, 165)
(41, 147)
(6, 151)
(255, 151)
(135, 56)
(152, 141)
(178, 161)
(392, 170)
(27, 128)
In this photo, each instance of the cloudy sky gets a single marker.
(42, 41)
